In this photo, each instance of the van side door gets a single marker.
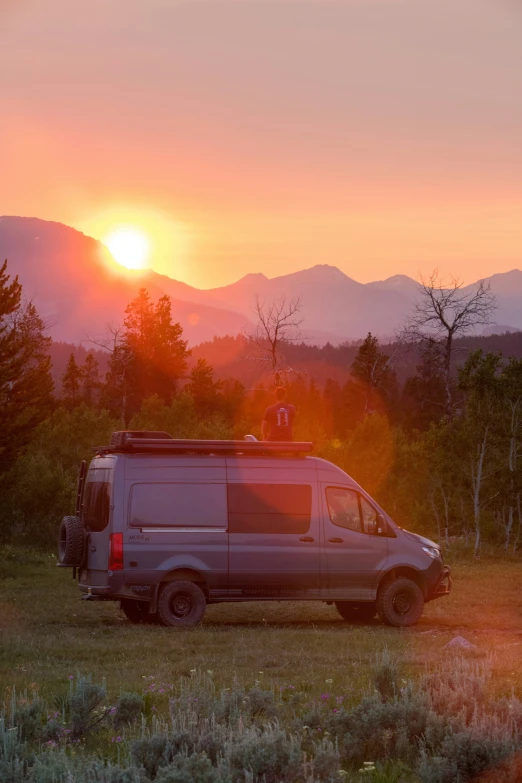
(354, 552)
(274, 546)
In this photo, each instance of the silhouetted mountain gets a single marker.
(78, 288)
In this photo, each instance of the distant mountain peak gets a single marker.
(252, 277)
(398, 279)
(321, 273)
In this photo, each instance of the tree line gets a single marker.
(440, 449)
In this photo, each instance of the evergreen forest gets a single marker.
(431, 428)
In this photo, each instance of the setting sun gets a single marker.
(129, 247)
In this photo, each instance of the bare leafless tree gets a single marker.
(444, 312)
(277, 325)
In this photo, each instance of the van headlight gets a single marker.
(432, 552)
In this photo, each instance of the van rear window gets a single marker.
(269, 508)
(96, 506)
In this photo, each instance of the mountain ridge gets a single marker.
(79, 288)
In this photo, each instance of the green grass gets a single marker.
(48, 635)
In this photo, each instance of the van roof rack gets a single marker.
(134, 442)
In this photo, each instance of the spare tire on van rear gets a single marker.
(70, 541)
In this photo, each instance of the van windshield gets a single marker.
(96, 506)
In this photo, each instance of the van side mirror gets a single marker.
(383, 529)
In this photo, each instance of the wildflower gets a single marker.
(329, 682)
(325, 696)
(210, 672)
(117, 739)
(261, 672)
(192, 671)
(71, 676)
(339, 699)
(342, 773)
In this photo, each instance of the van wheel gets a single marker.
(137, 611)
(356, 612)
(70, 541)
(400, 602)
(181, 604)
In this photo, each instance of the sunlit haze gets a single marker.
(379, 136)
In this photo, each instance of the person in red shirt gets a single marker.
(278, 419)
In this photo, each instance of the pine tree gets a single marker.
(25, 369)
(90, 379)
(71, 380)
(159, 354)
(371, 367)
(149, 357)
(202, 388)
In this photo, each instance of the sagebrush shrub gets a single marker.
(380, 730)
(86, 706)
(459, 689)
(270, 754)
(443, 730)
(28, 719)
(196, 768)
(386, 675)
(151, 753)
(128, 709)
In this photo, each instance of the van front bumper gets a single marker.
(441, 586)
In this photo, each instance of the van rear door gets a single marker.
(95, 515)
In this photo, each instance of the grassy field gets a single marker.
(48, 635)
(264, 692)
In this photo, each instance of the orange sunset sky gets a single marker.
(381, 136)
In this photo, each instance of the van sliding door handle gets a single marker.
(335, 540)
(307, 539)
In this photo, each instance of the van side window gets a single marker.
(369, 518)
(171, 505)
(96, 506)
(269, 508)
(343, 507)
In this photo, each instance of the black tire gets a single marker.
(400, 602)
(70, 541)
(181, 604)
(137, 612)
(356, 612)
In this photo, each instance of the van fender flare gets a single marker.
(408, 571)
(187, 573)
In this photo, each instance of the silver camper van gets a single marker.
(168, 526)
